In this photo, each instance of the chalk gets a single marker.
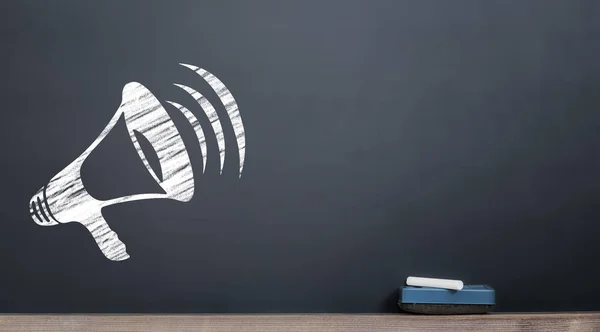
(435, 283)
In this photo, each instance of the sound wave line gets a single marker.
(230, 106)
(197, 128)
(213, 117)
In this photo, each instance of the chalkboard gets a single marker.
(297, 156)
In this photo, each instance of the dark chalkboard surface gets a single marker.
(381, 139)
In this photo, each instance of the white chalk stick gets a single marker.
(436, 283)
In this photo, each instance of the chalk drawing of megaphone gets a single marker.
(65, 199)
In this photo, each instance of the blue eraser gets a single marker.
(470, 294)
(471, 299)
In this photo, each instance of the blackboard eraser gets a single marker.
(472, 299)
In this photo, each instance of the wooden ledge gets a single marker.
(305, 322)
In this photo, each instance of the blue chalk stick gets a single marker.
(470, 294)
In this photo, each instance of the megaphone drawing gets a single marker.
(64, 199)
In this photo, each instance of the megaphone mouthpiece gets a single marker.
(39, 209)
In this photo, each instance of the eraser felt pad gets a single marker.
(445, 309)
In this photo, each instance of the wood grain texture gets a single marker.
(311, 322)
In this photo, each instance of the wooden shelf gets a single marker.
(309, 322)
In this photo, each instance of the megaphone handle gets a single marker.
(107, 240)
